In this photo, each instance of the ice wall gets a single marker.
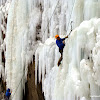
(4, 7)
(18, 24)
(2, 2)
(58, 14)
(77, 78)
(20, 44)
(31, 22)
(46, 55)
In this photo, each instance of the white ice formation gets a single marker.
(4, 7)
(77, 78)
(29, 24)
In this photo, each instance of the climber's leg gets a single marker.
(60, 59)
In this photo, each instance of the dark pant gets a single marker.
(60, 59)
(6, 98)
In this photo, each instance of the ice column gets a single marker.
(78, 75)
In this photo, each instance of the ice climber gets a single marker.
(60, 43)
(7, 95)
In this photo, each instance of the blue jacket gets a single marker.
(8, 93)
(60, 43)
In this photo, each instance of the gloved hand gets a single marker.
(63, 42)
(66, 36)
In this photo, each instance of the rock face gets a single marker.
(2, 89)
(31, 91)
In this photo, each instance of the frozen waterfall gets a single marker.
(77, 78)
(28, 27)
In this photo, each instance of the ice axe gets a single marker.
(71, 28)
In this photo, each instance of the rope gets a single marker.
(18, 86)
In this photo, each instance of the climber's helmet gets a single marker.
(56, 36)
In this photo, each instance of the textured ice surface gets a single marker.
(78, 75)
(22, 38)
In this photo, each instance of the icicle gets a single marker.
(75, 79)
